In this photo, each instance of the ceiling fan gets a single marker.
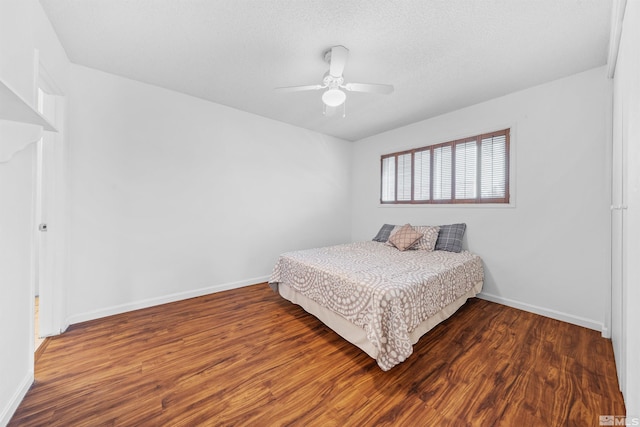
(333, 82)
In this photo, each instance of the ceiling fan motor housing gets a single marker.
(332, 82)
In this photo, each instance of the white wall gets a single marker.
(550, 252)
(23, 28)
(173, 196)
(627, 99)
(16, 351)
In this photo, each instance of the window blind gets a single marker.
(493, 152)
(388, 179)
(442, 173)
(404, 177)
(466, 170)
(469, 170)
(422, 175)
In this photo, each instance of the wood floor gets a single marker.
(246, 357)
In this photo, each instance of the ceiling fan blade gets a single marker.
(367, 87)
(339, 55)
(299, 88)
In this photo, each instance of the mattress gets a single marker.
(377, 297)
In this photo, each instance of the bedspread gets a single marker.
(380, 289)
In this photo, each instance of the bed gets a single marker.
(377, 297)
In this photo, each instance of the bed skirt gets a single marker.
(356, 335)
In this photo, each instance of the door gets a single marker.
(618, 208)
(49, 245)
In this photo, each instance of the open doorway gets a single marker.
(38, 339)
(49, 216)
(42, 270)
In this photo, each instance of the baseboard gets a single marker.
(123, 308)
(554, 314)
(17, 397)
(41, 348)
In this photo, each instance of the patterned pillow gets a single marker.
(429, 237)
(405, 237)
(384, 233)
(450, 237)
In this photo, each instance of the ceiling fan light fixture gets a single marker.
(333, 82)
(333, 97)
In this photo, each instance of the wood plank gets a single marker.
(248, 357)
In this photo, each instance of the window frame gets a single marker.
(478, 200)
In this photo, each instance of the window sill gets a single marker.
(449, 205)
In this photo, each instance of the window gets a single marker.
(468, 170)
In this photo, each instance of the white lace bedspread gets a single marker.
(379, 288)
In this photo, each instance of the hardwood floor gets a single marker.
(248, 357)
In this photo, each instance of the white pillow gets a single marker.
(429, 237)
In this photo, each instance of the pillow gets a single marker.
(429, 237)
(450, 237)
(384, 233)
(405, 237)
(393, 231)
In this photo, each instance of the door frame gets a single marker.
(50, 205)
(618, 206)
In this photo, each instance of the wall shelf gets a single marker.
(20, 124)
(14, 108)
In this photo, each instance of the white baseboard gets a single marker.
(547, 312)
(150, 302)
(12, 405)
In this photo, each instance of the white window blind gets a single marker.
(469, 170)
(422, 175)
(442, 173)
(388, 179)
(404, 177)
(466, 170)
(493, 152)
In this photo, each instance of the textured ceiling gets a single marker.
(440, 55)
